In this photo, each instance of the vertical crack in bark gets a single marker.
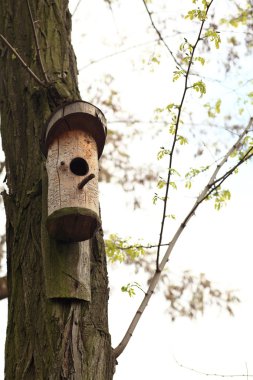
(57, 170)
(72, 365)
(77, 342)
(67, 344)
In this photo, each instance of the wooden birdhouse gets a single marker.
(73, 142)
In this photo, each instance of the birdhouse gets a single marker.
(73, 142)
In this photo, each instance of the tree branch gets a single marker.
(92, 62)
(77, 6)
(37, 42)
(180, 107)
(14, 51)
(210, 374)
(150, 246)
(159, 34)
(208, 189)
(3, 288)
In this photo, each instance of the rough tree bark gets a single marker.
(46, 339)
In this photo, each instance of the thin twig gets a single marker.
(79, 2)
(247, 371)
(159, 34)
(211, 374)
(37, 42)
(180, 107)
(212, 184)
(140, 246)
(14, 51)
(218, 182)
(92, 62)
(208, 189)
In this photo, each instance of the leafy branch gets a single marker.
(210, 187)
(199, 86)
(129, 288)
(118, 249)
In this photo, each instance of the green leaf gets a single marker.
(170, 107)
(177, 74)
(155, 60)
(217, 106)
(118, 249)
(200, 87)
(188, 184)
(129, 288)
(161, 183)
(171, 216)
(221, 198)
(163, 152)
(212, 111)
(200, 59)
(196, 14)
(174, 171)
(155, 199)
(182, 140)
(214, 36)
(186, 60)
(172, 129)
(172, 184)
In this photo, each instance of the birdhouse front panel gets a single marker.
(72, 167)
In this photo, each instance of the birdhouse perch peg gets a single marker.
(73, 142)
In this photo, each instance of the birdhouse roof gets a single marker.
(72, 116)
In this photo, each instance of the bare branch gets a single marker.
(3, 288)
(14, 51)
(211, 374)
(92, 62)
(208, 189)
(77, 6)
(246, 156)
(159, 34)
(37, 42)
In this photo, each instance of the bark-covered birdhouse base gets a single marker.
(72, 224)
(66, 265)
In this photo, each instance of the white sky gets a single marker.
(215, 243)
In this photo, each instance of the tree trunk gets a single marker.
(46, 339)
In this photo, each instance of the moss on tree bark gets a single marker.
(46, 339)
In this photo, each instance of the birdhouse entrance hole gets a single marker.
(79, 166)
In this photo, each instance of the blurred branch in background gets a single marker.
(3, 288)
